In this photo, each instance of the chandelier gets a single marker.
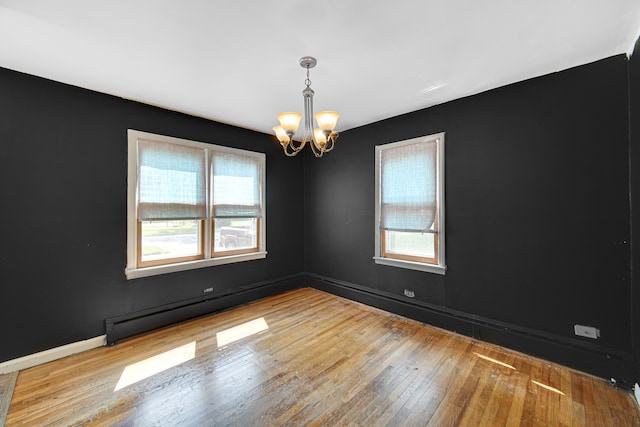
(321, 139)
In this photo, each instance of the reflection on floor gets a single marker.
(308, 357)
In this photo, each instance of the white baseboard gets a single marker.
(637, 392)
(50, 355)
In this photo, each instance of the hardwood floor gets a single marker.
(310, 358)
(7, 383)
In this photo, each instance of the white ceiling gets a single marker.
(236, 61)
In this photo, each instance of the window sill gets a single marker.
(429, 268)
(134, 273)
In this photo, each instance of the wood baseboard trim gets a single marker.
(35, 359)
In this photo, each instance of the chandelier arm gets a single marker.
(329, 146)
(307, 136)
(331, 142)
(316, 151)
(297, 148)
(289, 153)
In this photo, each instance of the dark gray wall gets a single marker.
(634, 132)
(63, 219)
(537, 216)
(537, 198)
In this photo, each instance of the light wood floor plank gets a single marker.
(323, 360)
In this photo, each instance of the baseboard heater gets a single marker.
(605, 362)
(136, 323)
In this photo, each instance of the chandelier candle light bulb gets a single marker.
(322, 138)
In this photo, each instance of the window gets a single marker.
(410, 204)
(192, 205)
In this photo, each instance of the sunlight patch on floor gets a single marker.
(241, 331)
(153, 365)
(547, 387)
(490, 359)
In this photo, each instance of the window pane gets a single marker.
(235, 233)
(180, 194)
(411, 243)
(170, 239)
(409, 195)
(171, 180)
(236, 185)
(404, 206)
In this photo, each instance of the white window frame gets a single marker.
(132, 271)
(441, 267)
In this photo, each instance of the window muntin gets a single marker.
(179, 191)
(410, 204)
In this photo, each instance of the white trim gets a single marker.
(429, 268)
(637, 393)
(207, 223)
(135, 273)
(441, 268)
(52, 354)
(132, 271)
(441, 203)
(377, 251)
(132, 196)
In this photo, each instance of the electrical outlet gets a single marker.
(408, 293)
(206, 291)
(587, 331)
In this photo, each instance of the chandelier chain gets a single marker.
(307, 81)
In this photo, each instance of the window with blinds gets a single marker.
(192, 205)
(410, 203)
(237, 206)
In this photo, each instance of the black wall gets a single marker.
(537, 218)
(634, 132)
(538, 200)
(63, 185)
